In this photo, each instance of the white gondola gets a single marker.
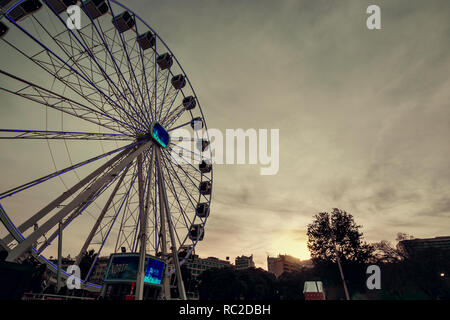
(189, 103)
(123, 21)
(24, 9)
(205, 167)
(202, 210)
(196, 231)
(205, 188)
(197, 122)
(164, 61)
(178, 81)
(3, 29)
(147, 40)
(59, 6)
(95, 8)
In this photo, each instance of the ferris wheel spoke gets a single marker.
(179, 126)
(179, 165)
(101, 180)
(113, 89)
(125, 199)
(155, 86)
(168, 101)
(100, 218)
(130, 218)
(77, 57)
(128, 85)
(123, 238)
(172, 231)
(144, 73)
(48, 98)
(59, 64)
(194, 185)
(119, 93)
(106, 222)
(200, 156)
(144, 207)
(177, 237)
(57, 202)
(174, 193)
(155, 204)
(162, 95)
(63, 135)
(190, 164)
(78, 212)
(65, 170)
(101, 36)
(130, 67)
(173, 116)
(188, 195)
(171, 104)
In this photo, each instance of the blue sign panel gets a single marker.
(160, 135)
(154, 271)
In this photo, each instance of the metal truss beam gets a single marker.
(80, 198)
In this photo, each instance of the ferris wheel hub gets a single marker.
(159, 135)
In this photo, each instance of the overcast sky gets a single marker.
(363, 115)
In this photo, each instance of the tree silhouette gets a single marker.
(333, 235)
(337, 233)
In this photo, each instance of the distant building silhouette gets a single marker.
(286, 263)
(244, 262)
(99, 270)
(415, 245)
(65, 262)
(197, 265)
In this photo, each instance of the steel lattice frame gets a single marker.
(102, 79)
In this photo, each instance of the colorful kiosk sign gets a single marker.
(123, 268)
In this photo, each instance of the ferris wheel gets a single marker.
(90, 131)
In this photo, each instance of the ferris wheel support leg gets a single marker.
(4, 245)
(58, 274)
(181, 290)
(143, 232)
(22, 247)
(64, 196)
(165, 290)
(100, 218)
